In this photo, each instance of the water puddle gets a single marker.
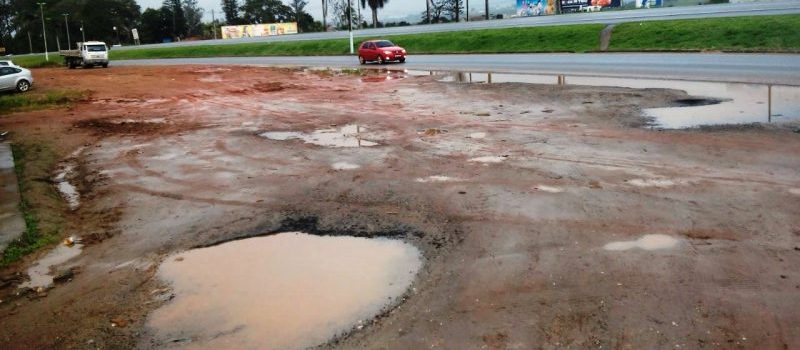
(714, 103)
(795, 191)
(67, 190)
(548, 189)
(344, 166)
(40, 272)
(437, 178)
(285, 291)
(477, 135)
(347, 136)
(660, 183)
(646, 242)
(488, 159)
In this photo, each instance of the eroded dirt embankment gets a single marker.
(511, 191)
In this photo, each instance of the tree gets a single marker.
(374, 5)
(231, 10)
(454, 8)
(155, 25)
(265, 11)
(178, 17)
(436, 13)
(340, 12)
(298, 9)
(194, 18)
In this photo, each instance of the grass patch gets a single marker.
(13, 102)
(37, 61)
(577, 38)
(39, 203)
(733, 34)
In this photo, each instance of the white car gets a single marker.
(7, 63)
(15, 78)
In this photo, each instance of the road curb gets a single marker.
(12, 224)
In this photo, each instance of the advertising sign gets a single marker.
(256, 30)
(578, 5)
(527, 8)
(135, 33)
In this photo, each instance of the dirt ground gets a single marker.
(534, 181)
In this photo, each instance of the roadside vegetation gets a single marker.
(40, 204)
(734, 34)
(13, 102)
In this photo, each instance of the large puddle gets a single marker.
(720, 103)
(41, 274)
(285, 291)
(346, 136)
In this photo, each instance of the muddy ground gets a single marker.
(172, 159)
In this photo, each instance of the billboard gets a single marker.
(256, 30)
(577, 5)
(527, 8)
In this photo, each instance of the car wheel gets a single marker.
(23, 86)
(362, 60)
(380, 60)
(403, 60)
(105, 65)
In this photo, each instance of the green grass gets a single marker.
(31, 100)
(736, 34)
(38, 203)
(37, 61)
(578, 38)
(733, 34)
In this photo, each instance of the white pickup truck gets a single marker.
(88, 54)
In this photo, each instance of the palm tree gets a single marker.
(374, 5)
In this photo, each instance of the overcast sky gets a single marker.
(394, 9)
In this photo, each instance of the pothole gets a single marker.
(288, 290)
(346, 136)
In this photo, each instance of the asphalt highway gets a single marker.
(607, 17)
(751, 68)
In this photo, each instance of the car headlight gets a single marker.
(387, 52)
(404, 50)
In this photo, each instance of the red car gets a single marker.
(380, 51)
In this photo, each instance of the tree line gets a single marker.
(111, 21)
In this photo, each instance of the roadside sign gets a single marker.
(135, 34)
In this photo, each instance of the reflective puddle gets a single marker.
(286, 291)
(646, 242)
(40, 272)
(346, 136)
(720, 103)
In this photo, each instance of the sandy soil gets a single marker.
(511, 191)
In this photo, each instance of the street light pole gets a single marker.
(44, 34)
(350, 24)
(119, 42)
(214, 24)
(69, 47)
(83, 33)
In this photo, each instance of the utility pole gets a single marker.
(467, 10)
(30, 43)
(69, 46)
(487, 10)
(350, 24)
(428, 10)
(213, 24)
(83, 33)
(44, 34)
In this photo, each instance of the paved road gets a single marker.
(610, 17)
(756, 68)
(12, 224)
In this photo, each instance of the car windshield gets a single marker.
(96, 48)
(384, 43)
